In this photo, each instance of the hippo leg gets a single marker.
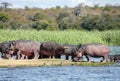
(72, 57)
(111, 59)
(67, 57)
(22, 56)
(8, 56)
(41, 55)
(81, 59)
(88, 58)
(53, 55)
(26, 57)
(105, 58)
(58, 56)
(18, 55)
(115, 59)
(36, 55)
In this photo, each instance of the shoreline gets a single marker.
(8, 63)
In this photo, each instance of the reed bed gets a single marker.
(67, 36)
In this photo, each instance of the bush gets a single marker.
(15, 25)
(4, 17)
(52, 26)
(106, 22)
(3, 25)
(40, 25)
(38, 16)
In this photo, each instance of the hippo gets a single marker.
(51, 49)
(114, 58)
(92, 50)
(26, 49)
(4, 46)
(70, 51)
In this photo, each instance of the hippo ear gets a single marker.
(13, 42)
(62, 48)
(65, 47)
(79, 46)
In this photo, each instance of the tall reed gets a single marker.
(67, 36)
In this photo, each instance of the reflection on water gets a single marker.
(114, 50)
(60, 73)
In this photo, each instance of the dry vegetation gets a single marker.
(47, 62)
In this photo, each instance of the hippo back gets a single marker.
(51, 49)
(26, 45)
(69, 49)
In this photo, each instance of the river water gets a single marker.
(63, 73)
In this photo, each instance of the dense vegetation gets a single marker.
(66, 36)
(81, 17)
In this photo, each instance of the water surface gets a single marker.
(61, 73)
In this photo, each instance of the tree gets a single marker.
(61, 20)
(101, 23)
(38, 16)
(6, 4)
(88, 24)
(39, 25)
(96, 6)
(58, 7)
(80, 10)
(26, 8)
(62, 15)
(107, 7)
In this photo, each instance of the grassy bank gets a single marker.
(47, 62)
(68, 36)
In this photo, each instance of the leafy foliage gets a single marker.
(4, 17)
(106, 22)
(57, 18)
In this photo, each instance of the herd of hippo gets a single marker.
(28, 49)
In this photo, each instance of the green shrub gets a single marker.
(4, 17)
(3, 25)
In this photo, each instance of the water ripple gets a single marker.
(60, 73)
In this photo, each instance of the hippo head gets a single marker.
(8, 50)
(6, 56)
(78, 53)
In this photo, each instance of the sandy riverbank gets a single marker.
(47, 62)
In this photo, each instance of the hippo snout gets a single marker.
(75, 59)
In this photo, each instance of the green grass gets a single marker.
(68, 36)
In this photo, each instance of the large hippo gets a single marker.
(51, 49)
(69, 50)
(26, 49)
(92, 50)
(114, 58)
(6, 48)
